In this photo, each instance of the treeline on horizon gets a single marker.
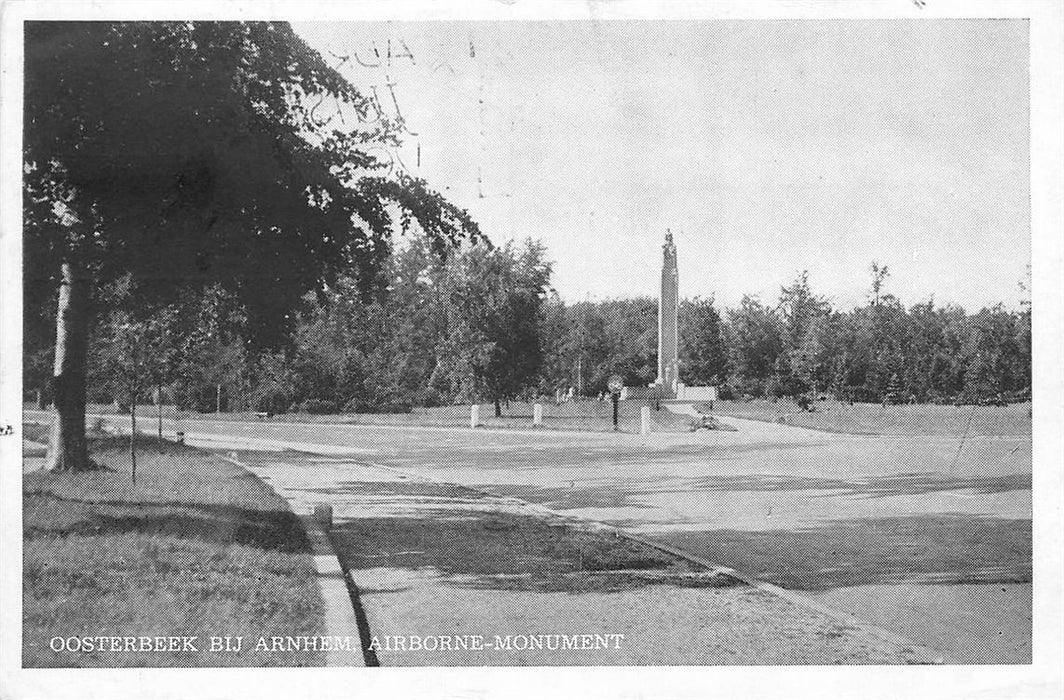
(484, 325)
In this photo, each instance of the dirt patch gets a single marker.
(415, 489)
(568, 498)
(604, 581)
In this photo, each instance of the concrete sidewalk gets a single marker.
(423, 609)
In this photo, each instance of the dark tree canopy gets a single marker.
(185, 156)
(705, 354)
(185, 153)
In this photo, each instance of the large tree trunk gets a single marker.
(498, 408)
(67, 449)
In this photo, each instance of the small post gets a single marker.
(615, 385)
(537, 415)
(474, 415)
(644, 420)
(323, 513)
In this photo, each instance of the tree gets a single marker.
(556, 342)
(494, 302)
(185, 154)
(704, 358)
(927, 356)
(631, 335)
(139, 352)
(810, 361)
(888, 327)
(993, 355)
(1023, 335)
(892, 394)
(210, 362)
(880, 273)
(801, 313)
(37, 364)
(755, 344)
(375, 354)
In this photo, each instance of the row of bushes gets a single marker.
(206, 399)
(277, 404)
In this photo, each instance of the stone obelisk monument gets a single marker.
(668, 320)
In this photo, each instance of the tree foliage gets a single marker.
(183, 159)
(482, 325)
(703, 350)
(185, 155)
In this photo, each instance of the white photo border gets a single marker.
(1042, 678)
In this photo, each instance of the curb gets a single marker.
(341, 616)
(328, 576)
(922, 654)
(340, 597)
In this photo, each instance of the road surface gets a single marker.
(929, 537)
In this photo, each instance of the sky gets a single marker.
(767, 147)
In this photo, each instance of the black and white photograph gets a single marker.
(522, 344)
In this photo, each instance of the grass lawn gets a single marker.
(198, 548)
(597, 416)
(505, 551)
(876, 419)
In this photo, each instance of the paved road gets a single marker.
(393, 530)
(856, 520)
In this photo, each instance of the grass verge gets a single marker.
(586, 415)
(506, 551)
(876, 419)
(198, 548)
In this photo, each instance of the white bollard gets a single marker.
(474, 415)
(537, 414)
(644, 420)
(323, 513)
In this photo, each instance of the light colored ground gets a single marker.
(660, 624)
(764, 478)
(33, 454)
(976, 623)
